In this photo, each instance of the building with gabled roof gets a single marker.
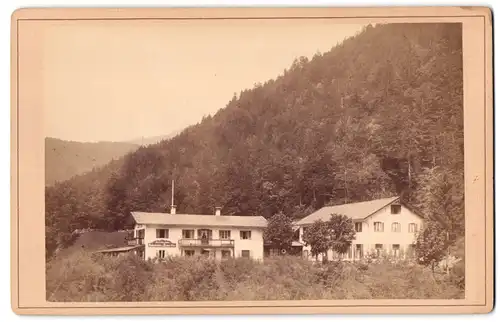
(170, 234)
(382, 226)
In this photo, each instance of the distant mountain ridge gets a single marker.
(153, 139)
(65, 159)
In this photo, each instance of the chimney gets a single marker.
(172, 210)
(217, 211)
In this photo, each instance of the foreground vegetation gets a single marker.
(82, 277)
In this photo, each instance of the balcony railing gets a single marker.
(134, 241)
(206, 242)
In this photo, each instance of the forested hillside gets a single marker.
(378, 115)
(64, 159)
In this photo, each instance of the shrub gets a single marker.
(83, 277)
(457, 274)
(76, 278)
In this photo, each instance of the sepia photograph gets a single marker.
(251, 159)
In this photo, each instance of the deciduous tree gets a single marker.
(341, 233)
(431, 244)
(317, 236)
(279, 232)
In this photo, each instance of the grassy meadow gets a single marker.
(86, 277)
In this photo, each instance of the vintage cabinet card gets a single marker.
(243, 161)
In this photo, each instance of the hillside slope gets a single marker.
(365, 120)
(65, 159)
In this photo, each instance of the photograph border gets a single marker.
(256, 307)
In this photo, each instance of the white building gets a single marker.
(382, 226)
(218, 236)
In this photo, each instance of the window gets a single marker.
(160, 253)
(358, 251)
(395, 209)
(396, 227)
(204, 234)
(188, 233)
(379, 226)
(395, 250)
(189, 252)
(140, 233)
(412, 227)
(379, 248)
(304, 229)
(245, 234)
(140, 236)
(162, 233)
(224, 234)
(225, 253)
(245, 253)
(349, 252)
(358, 226)
(411, 251)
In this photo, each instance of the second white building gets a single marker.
(382, 226)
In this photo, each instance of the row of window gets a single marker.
(357, 251)
(379, 227)
(395, 249)
(190, 252)
(204, 233)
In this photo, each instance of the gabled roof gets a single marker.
(148, 218)
(357, 210)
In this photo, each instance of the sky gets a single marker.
(123, 80)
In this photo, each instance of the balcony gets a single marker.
(206, 242)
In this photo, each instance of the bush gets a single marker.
(89, 278)
(457, 274)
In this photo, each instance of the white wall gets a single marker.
(174, 234)
(255, 245)
(369, 237)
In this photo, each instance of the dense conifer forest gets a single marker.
(380, 114)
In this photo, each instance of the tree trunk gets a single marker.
(345, 185)
(409, 172)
